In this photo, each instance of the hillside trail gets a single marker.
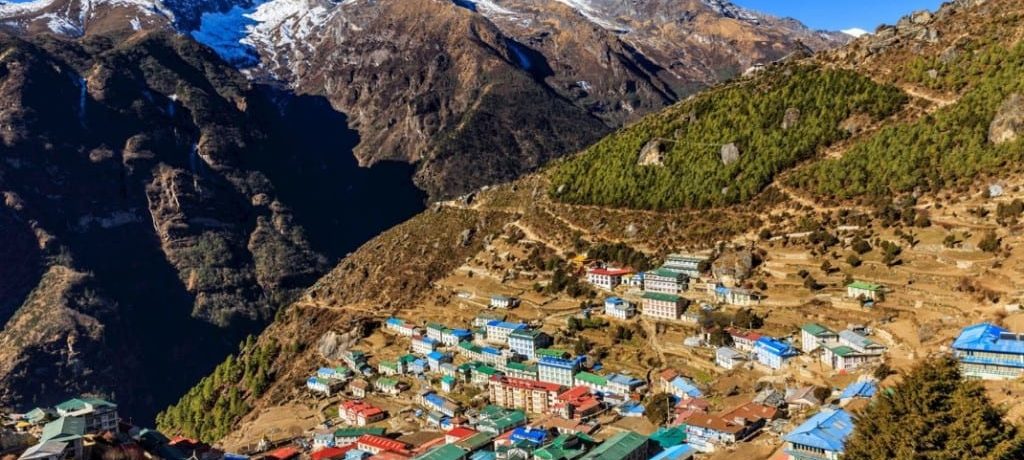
(938, 102)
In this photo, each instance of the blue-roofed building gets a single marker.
(680, 452)
(624, 384)
(618, 308)
(534, 436)
(400, 327)
(683, 388)
(864, 389)
(498, 331)
(436, 358)
(424, 345)
(452, 337)
(418, 366)
(989, 352)
(821, 437)
(437, 403)
(773, 353)
(493, 356)
(558, 370)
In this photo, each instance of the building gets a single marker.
(379, 444)
(519, 370)
(619, 308)
(435, 402)
(396, 367)
(48, 450)
(486, 317)
(625, 445)
(358, 388)
(635, 280)
(400, 327)
(624, 385)
(708, 432)
(388, 386)
(525, 342)
(503, 302)
(565, 446)
(558, 370)
(453, 337)
(448, 384)
(861, 389)
(734, 296)
(578, 403)
(424, 345)
(99, 415)
(989, 352)
(359, 413)
(689, 264)
(482, 374)
(596, 383)
(444, 452)
(436, 359)
(773, 353)
(865, 290)
(340, 373)
(729, 358)
(606, 278)
(325, 387)
(666, 281)
(821, 437)
(66, 429)
(532, 396)
(851, 351)
(495, 420)
(743, 340)
(663, 306)
(814, 336)
(348, 436)
(498, 331)
(682, 388)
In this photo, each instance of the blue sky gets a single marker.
(841, 14)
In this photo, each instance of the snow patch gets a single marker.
(224, 31)
(854, 32)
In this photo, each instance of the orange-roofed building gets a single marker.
(331, 453)
(283, 453)
(377, 444)
(457, 434)
(578, 403)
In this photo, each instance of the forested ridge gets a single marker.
(774, 120)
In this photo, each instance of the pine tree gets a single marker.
(934, 414)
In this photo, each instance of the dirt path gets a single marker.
(937, 101)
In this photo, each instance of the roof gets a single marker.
(385, 382)
(592, 379)
(729, 353)
(530, 334)
(395, 321)
(664, 272)
(436, 355)
(63, 428)
(527, 384)
(826, 430)
(816, 329)
(753, 412)
(618, 447)
(445, 452)
(856, 339)
(661, 297)
(506, 325)
(842, 350)
(44, 450)
(776, 347)
(686, 387)
(475, 441)
(610, 271)
(76, 404)
(330, 453)
(668, 437)
(989, 337)
(283, 453)
(714, 422)
(551, 352)
(680, 452)
(864, 285)
(862, 389)
(355, 432)
(625, 380)
(382, 443)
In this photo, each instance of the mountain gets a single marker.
(426, 81)
(894, 159)
(159, 208)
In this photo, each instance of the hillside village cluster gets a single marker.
(529, 400)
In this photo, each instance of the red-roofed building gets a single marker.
(360, 413)
(331, 453)
(606, 278)
(577, 403)
(377, 444)
(743, 340)
(665, 378)
(531, 396)
(457, 434)
(283, 453)
(390, 456)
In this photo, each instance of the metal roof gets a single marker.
(826, 430)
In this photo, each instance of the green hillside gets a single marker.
(749, 114)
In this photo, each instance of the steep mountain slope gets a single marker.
(387, 275)
(147, 193)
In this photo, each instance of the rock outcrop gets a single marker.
(1008, 124)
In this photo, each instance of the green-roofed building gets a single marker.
(814, 336)
(38, 415)
(64, 429)
(865, 290)
(627, 445)
(845, 358)
(390, 367)
(100, 415)
(665, 281)
(565, 447)
(483, 373)
(520, 370)
(659, 305)
(476, 442)
(553, 353)
(496, 420)
(668, 437)
(348, 435)
(593, 381)
(448, 383)
(445, 452)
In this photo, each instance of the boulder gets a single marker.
(1008, 123)
(921, 17)
(791, 118)
(652, 154)
(730, 153)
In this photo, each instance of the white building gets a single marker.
(424, 345)
(400, 327)
(558, 370)
(606, 278)
(504, 302)
(663, 306)
(814, 336)
(619, 308)
(689, 264)
(525, 342)
(729, 358)
(498, 331)
(665, 281)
